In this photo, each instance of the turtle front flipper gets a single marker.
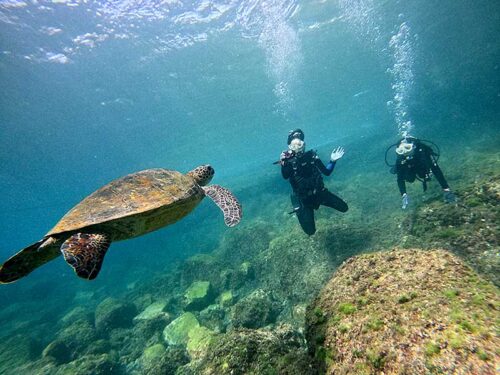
(227, 202)
(28, 259)
(85, 253)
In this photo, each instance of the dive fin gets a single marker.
(85, 253)
(227, 202)
(28, 259)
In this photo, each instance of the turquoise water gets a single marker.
(91, 91)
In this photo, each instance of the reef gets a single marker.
(405, 311)
(264, 300)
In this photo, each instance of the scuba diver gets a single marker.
(417, 160)
(303, 169)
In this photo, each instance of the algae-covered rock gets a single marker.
(78, 336)
(164, 363)
(15, 351)
(256, 310)
(254, 352)
(112, 313)
(405, 311)
(177, 332)
(151, 355)
(103, 364)
(213, 317)
(199, 339)
(198, 296)
(469, 229)
(226, 298)
(155, 310)
(78, 313)
(58, 352)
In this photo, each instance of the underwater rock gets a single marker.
(469, 229)
(177, 332)
(112, 313)
(154, 311)
(226, 298)
(246, 351)
(294, 267)
(163, 363)
(78, 336)
(198, 296)
(256, 310)
(405, 311)
(244, 242)
(78, 313)
(16, 351)
(199, 339)
(151, 356)
(213, 317)
(58, 352)
(103, 364)
(200, 267)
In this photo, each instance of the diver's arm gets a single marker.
(439, 175)
(326, 170)
(286, 170)
(401, 185)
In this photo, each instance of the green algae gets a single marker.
(177, 332)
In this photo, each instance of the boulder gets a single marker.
(58, 352)
(198, 296)
(256, 310)
(402, 312)
(177, 332)
(154, 311)
(112, 313)
(246, 351)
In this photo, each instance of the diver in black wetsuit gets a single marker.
(303, 169)
(417, 160)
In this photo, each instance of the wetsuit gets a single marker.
(420, 164)
(305, 175)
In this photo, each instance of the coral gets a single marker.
(112, 313)
(412, 311)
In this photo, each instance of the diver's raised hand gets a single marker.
(405, 201)
(337, 154)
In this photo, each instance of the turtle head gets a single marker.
(202, 174)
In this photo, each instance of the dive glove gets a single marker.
(337, 154)
(449, 197)
(405, 201)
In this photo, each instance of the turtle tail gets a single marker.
(28, 259)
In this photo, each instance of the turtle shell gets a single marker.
(133, 205)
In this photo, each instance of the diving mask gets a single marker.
(297, 145)
(404, 149)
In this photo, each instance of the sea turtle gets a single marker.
(125, 208)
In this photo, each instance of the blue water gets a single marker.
(91, 91)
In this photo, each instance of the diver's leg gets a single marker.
(306, 219)
(331, 200)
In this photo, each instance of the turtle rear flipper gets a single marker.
(227, 202)
(85, 253)
(27, 260)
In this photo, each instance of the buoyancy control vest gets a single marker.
(306, 178)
